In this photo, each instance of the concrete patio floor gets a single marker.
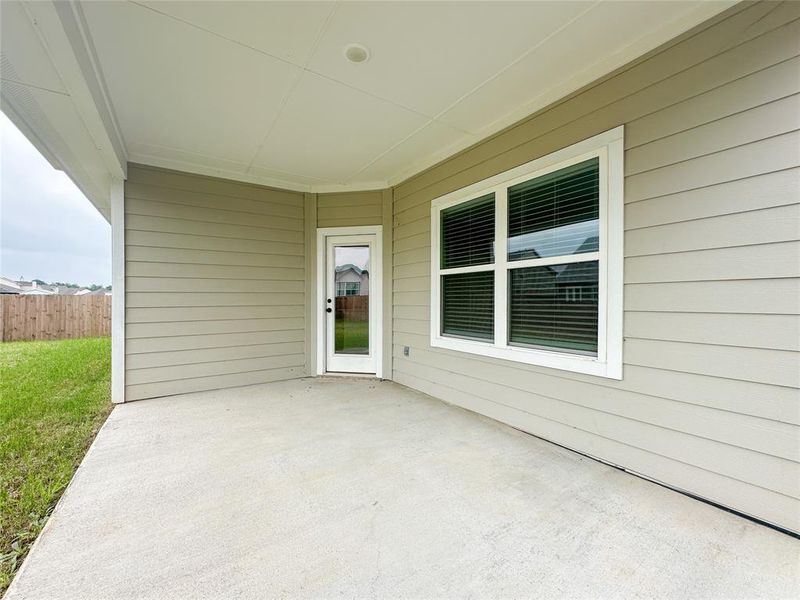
(357, 488)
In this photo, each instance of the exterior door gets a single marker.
(351, 318)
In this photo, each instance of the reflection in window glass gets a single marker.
(554, 306)
(351, 318)
(348, 288)
(556, 214)
(468, 305)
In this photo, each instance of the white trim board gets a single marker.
(376, 276)
(117, 201)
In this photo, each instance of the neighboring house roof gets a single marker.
(29, 287)
(66, 291)
(9, 286)
(350, 267)
(578, 273)
(9, 289)
(351, 273)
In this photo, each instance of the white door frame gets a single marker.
(376, 291)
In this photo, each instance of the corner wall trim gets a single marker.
(117, 202)
(310, 237)
(388, 283)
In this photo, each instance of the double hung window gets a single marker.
(527, 265)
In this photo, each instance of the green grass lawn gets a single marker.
(54, 396)
(352, 337)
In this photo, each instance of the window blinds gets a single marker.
(554, 306)
(468, 305)
(548, 306)
(555, 214)
(468, 233)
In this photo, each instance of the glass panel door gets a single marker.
(350, 322)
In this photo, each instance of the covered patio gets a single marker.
(352, 487)
(578, 219)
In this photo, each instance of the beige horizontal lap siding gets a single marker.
(709, 400)
(350, 209)
(215, 282)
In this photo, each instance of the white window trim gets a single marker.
(609, 147)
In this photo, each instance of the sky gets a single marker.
(48, 229)
(356, 255)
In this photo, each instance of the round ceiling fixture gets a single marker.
(356, 53)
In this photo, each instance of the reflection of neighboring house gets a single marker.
(578, 281)
(574, 283)
(352, 281)
(564, 239)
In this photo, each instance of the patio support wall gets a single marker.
(221, 279)
(709, 399)
(215, 277)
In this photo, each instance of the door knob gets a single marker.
(329, 309)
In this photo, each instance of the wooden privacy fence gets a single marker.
(53, 317)
(352, 308)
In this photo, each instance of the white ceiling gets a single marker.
(261, 91)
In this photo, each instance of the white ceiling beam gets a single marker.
(64, 33)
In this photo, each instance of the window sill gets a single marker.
(587, 365)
